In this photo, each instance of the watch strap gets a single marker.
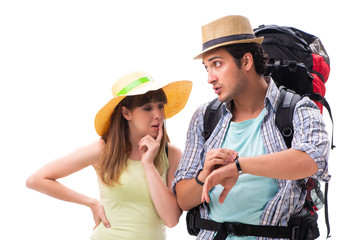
(197, 179)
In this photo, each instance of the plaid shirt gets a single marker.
(310, 136)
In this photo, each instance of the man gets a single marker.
(247, 172)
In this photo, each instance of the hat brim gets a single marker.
(258, 40)
(177, 94)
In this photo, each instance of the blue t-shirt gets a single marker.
(247, 199)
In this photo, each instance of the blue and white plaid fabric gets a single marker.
(310, 136)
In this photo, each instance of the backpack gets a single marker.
(300, 66)
(290, 48)
(299, 61)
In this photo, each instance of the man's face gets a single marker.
(227, 79)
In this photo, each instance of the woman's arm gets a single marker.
(161, 194)
(45, 181)
(164, 200)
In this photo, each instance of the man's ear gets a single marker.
(248, 60)
(126, 113)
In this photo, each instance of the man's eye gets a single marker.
(217, 64)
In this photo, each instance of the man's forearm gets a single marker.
(290, 164)
(188, 193)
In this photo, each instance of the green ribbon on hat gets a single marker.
(132, 85)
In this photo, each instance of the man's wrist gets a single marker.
(201, 183)
(238, 167)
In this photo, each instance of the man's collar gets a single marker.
(272, 93)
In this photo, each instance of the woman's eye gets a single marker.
(147, 108)
(161, 106)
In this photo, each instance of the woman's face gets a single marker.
(146, 119)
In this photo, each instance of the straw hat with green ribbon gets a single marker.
(137, 83)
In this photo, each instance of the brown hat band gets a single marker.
(230, 38)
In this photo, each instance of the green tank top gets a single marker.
(129, 207)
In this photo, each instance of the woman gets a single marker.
(134, 162)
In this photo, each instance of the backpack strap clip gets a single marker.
(285, 112)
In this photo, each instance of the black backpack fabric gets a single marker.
(298, 61)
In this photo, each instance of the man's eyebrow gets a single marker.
(211, 59)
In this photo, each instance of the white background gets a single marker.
(59, 59)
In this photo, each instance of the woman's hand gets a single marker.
(149, 146)
(99, 214)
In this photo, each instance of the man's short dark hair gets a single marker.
(237, 51)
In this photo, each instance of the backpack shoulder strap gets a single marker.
(167, 149)
(285, 112)
(318, 98)
(211, 117)
(283, 120)
(327, 222)
(284, 115)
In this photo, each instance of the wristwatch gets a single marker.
(238, 164)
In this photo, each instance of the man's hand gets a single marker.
(216, 158)
(226, 176)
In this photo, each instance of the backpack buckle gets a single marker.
(229, 228)
(287, 132)
(295, 233)
(237, 229)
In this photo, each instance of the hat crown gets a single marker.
(225, 31)
(226, 26)
(129, 82)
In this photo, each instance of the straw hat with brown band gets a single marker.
(226, 31)
(137, 83)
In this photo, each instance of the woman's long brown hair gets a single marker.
(117, 146)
